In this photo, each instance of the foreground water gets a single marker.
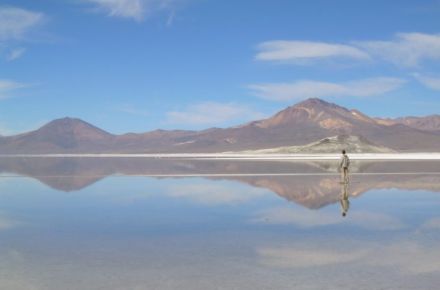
(69, 223)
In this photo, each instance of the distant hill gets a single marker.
(299, 125)
(429, 123)
(353, 144)
(67, 134)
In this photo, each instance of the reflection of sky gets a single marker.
(193, 233)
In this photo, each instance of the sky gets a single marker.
(140, 65)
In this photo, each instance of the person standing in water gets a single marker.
(343, 166)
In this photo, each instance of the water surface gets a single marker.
(72, 223)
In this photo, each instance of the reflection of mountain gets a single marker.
(315, 185)
(317, 191)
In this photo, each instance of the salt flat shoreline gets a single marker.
(232, 156)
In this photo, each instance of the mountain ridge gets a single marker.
(303, 123)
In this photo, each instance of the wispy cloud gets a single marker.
(403, 50)
(132, 110)
(5, 130)
(430, 82)
(300, 51)
(212, 113)
(15, 26)
(15, 22)
(307, 89)
(134, 9)
(8, 86)
(406, 49)
(15, 53)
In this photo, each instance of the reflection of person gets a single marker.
(345, 203)
(343, 166)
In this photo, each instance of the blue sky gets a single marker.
(139, 65)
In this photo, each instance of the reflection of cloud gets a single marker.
(298, 217)
(409, 257)
(309, 218)
(304, 258)
(432, 224)
(216, 193)
(375, 221)
(6, 223)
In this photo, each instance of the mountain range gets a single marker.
(309, 121)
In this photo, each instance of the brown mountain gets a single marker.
(427, 123)
(67, 134)
(307, 122)
(335, 144)
(298, 125)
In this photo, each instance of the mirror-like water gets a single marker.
(71, 223)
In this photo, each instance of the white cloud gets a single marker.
(15, 53)
(134, 9)
(16, 22)
(4, 130)
(7, 86)
(132, 110)
(430, 82)
(212, 113)
(299, 51)
(15, 25)
(308, 89)
(406, 49)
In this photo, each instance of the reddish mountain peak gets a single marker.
(72, 124)
(312, 110)
(71, 128)
(314, 102)
(319, 103)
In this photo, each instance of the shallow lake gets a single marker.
(121, 223)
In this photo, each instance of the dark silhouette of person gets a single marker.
(345, 203)
(343, 167)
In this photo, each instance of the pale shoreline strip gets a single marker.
(230, 156)
(223, 174)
